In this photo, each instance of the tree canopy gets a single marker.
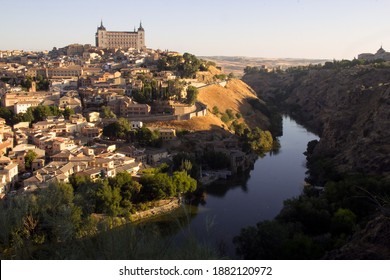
(186, 66)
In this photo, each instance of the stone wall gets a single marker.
(164, 206)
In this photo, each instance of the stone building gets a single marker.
(381, 54)
(120, 39)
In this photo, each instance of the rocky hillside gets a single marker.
(238, 97)
(348, 107)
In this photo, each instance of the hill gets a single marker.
(238, 97)
(235, 96)
(236, 64)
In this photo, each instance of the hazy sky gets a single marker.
(259, 28)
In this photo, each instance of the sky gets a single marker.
(317, 29)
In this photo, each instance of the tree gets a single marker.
(146, 137)
(42, 83)
(26, 83)
(230, 114)
(85, 193)
(192, 94)
(186, 165)
(260, 141)
(108, 200)
(67, 113)
(343, 221)
(157, 186)
(183, 182)
(129, 188)
(61, 219)
(107, 113)
(40, 113)
(6, 114)
(26, 117)
(186, 66)
(118, 129)
(29, 158)
(215, 110)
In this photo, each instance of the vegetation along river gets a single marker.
(230, 206)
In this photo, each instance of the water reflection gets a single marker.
(231, 205)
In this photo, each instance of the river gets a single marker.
(229, 207)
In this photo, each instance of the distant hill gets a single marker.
(236, 64)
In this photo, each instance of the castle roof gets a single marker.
(140, 28)
(380, 51)
(101, 27)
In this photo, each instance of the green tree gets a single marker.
(29, 158)
(260, 141)
(61, 219)
(343, 221)
(118, 130)
(67, 113)
(26, 117)
(26, 83)
(192, 94)
(231, 75)
(239, 128)
(230, 114)
(183, 182)
(42, 83)
(85, 193)
(215, 110)
(186, 165)
(6, 114)
(157, 186)
(129, 189)
(39, 113)
(107, 113)
(225, 118)
(146, 137)
(108, 200)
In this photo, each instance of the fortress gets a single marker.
(120, 39)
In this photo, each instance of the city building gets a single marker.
(120, 39)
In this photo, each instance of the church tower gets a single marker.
(141, 37)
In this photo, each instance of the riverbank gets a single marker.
(161, 207)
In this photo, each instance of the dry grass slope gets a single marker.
(235, 97)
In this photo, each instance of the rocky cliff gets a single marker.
(348, 107)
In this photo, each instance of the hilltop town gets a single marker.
(98, 111)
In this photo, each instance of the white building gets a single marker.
(22, 106)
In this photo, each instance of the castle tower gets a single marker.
(141, 37)
(100, 36)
